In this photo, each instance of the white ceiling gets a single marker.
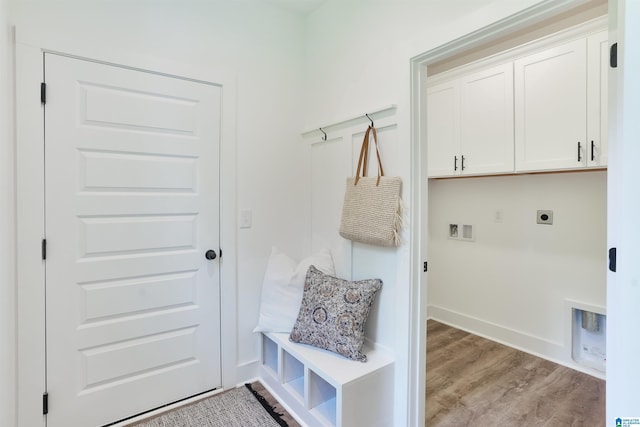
(302, 7)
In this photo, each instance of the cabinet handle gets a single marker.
(593, 156)
(462, 163)
(455, 163)
(579, 152)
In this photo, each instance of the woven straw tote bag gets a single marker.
(372, 208)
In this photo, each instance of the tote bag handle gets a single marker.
(364, 157)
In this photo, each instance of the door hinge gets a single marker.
(45, 403)
(612, 259)
(43, 92)
(220, 253)
(613, 56)
(44, 249)
(424, 267)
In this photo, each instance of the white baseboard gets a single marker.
(555, 352)
(247, 371)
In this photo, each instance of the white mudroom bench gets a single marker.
(327, 390)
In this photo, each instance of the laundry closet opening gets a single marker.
(517, 184)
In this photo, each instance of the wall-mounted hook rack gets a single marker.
(379, 112)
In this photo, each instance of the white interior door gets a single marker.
(132, 185)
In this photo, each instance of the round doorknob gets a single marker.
(210, 254)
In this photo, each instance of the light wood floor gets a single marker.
(472, 381)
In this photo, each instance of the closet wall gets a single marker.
(516, 281)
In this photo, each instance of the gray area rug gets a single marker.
(234, 408)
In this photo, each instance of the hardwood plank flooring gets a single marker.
(472, 381)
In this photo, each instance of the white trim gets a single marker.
(623, 292)
(30, 221)
(249, 369)
(419, 180)
(30, 212)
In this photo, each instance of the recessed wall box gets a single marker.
(468, 232)
(453, 231)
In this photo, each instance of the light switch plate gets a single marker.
(245, 218)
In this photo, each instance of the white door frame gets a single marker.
(623, 292)
(31, 220)
(419, 176)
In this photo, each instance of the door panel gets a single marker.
(486, 124)
(550, 108)
(443, 132)
(132, 186)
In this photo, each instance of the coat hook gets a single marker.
(324, 137)
(367, 114)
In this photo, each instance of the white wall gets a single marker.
(331, 163)
(7, 231)
(262, 47)
(357, 48)
(513, 281)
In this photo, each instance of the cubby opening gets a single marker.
(322, 398)
(293, 375)
(270, 355)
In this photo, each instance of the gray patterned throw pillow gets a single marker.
(333, 313)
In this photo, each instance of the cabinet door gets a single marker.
(443, 129)
(597, 108)
(486, 124)
(550, 108)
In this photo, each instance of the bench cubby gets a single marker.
(324, 389)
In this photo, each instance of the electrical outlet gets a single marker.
(545, 217)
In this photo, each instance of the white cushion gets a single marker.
(282, 288)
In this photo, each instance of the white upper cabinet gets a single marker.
(538, 107)
(443, 129)
(470, 124)
(597, 108)
(561, 106)
(550, 108)
(486, 121)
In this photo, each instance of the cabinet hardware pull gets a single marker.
(455, 163)
(579, 152)
(593, 157)
(462, 168)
